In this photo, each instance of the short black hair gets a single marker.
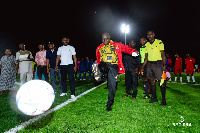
(65, 37)
(41, 44)
(8, 49)
(143, 37)
(151, 31)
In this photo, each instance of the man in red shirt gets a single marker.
(189, 61)
(109, 60)
(178, 67)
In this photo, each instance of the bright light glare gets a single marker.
(125, 28)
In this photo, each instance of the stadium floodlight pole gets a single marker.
(125, 30)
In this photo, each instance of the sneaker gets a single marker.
(84, 79)
(193, 82)
(73, 97)
(146, 97)
(62, 94)
(152, 100)
(181, 81)
(81, 79)
(163, 103)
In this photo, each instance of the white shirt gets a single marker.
(24, 66)
(66, 53)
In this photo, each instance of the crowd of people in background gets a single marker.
(44, 66)
(62, 62)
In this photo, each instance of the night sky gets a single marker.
(177, 24)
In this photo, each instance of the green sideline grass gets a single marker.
(88, 113)
(10, 116)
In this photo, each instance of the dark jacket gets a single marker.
(131, 62)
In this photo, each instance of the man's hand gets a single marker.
(164, 69)
(47, 70)
(75, 68)
(56, 68)
(142, 71)
(136, 53)
(136, 70)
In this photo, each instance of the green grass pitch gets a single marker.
(88, 113)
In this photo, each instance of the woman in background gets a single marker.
(8, 66)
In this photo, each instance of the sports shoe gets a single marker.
(146, 97)
(84, 79)
(72, 96)
(163, 103)
(193, 82)
(152, 100)
(62, 94)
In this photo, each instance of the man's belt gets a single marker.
(42, 65)
(155, 61)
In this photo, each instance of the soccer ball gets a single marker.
(35, 97)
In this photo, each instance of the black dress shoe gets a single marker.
(109, 108)
(163, 103)
(106, 88)
(2, 92)
(127, 95)
(152, 100)
(134, 97)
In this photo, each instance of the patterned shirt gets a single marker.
(40, 58)
(108, 54)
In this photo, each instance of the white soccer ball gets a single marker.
(35, 97)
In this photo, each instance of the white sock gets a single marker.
(175, 79)
(170, 79)
(193, 79)
(188, 78)
(180, 79)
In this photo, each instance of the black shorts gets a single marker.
(154, 70)
(144, 76)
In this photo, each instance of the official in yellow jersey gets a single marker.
(143, 41)
(155, 60)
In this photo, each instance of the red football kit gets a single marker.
(178, 67)
(189, 65)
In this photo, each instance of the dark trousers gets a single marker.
(42, 70)
(131, 81)
(64, 70)
(112, 82)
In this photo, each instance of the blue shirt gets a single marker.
(52, 55)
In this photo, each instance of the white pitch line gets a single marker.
(26, 123)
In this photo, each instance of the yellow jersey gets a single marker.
(154, 50)
(108, 54)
